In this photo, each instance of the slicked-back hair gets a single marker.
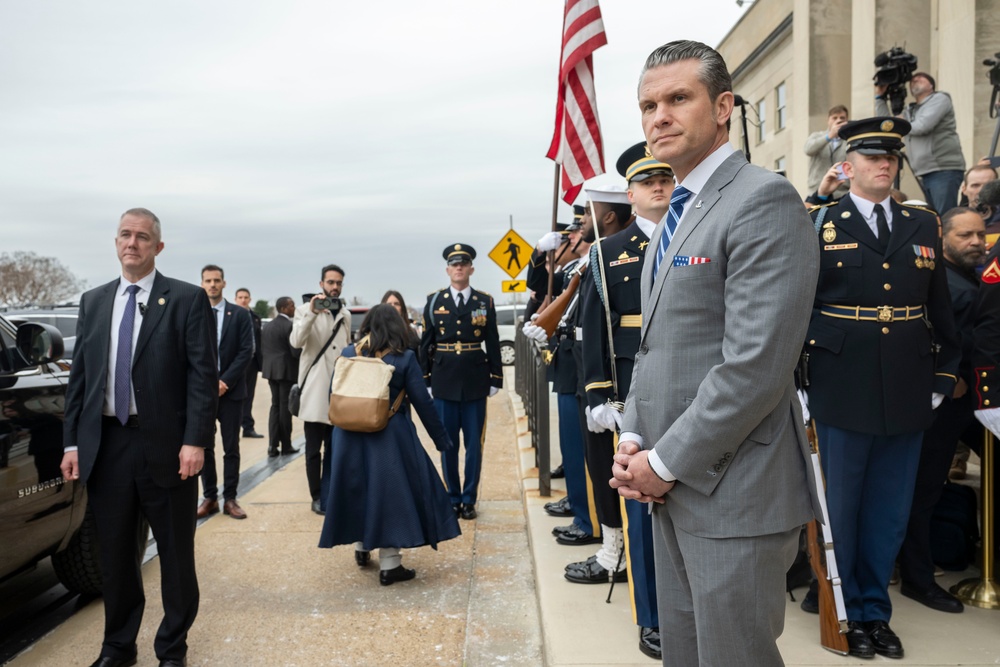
(149, 215)
(713, 72)
(385, 329)
(951, 214)
(213, 267)
(328, 268)
(283, 302)
(242, 289)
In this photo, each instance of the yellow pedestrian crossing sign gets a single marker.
(512, 253)
(515, 285)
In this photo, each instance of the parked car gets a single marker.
(41, 514)
(507, 320)
(62, 318)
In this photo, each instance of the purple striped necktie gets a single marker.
(677, 200)
(123, 358)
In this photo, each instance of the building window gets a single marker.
(761, 120)
(781, 109)
(779, 164)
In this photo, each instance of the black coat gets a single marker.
(871, 376)
(623, 255)
(986, 335)
(281, 360)
(174, 375)
(469, 374)
(236, 349)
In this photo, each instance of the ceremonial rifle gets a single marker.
(832, 612)
(602, 291)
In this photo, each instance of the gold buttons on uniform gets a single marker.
(885, 330)
(885, 265)
(983, 375)
(626, 278)
(986, 402)
(887, 287)
(812, 342)
(458, 321)
(458, 333)
(839, 264)
(986, 388)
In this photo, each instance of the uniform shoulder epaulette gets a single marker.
(437, 291)
(920, 208)
(486, 293)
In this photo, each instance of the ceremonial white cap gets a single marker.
(609, 194)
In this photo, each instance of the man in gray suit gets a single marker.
(712, 431)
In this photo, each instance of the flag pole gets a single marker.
(555, 211)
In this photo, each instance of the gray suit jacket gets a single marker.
(712, 388)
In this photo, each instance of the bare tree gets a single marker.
(28, 279)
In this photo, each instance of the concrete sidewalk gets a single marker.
(494, 596)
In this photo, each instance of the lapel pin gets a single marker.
(845, 215)
(161, 301)
(698, 205)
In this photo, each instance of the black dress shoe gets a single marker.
(858, 643)
(362, 558)
(557, 472)
(289, 450)
(884, 639)
(649, 642)
(468, 512)
(810, 603)
(174, 662)
(251, 434)
(562, 530)
(458, 508)
(592, 559)
(934, 597)
(400, 573)
(317, 508)
(575, 536)
(107, 661)
(559, 507)
(272, 451)
(592, 572)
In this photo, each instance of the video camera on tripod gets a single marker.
(895, 69)
(994, 75)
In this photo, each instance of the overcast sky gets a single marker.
(275, 137)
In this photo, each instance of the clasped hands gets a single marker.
(634, 478)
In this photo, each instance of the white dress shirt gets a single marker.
(695, 182)
(118, 310)
(647, 226)
(867, 210)
(466, 293)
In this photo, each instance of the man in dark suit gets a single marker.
(234, 332)
(281, 370)
(459, 374)
(882, 313)
(243, 299)
(137, 439)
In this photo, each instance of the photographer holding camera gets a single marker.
(321, 329)
(935, 153)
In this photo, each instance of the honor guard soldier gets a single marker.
(460, 375)
(882, 355)
(616, 263)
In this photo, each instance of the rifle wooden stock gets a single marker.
(548, 319)
(830, 636)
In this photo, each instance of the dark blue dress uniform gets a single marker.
(460, 374)
(881, 340)
(571, 426)
(622, 256)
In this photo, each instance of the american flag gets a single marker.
(683, 260)
(576, 143)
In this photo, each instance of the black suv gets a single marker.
(41, 514)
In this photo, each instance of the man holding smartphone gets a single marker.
(825, 149)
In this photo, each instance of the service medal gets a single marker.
(919, 261)
(930, 265)
(829, 235)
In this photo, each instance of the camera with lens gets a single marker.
(895, 69)
(332, 304)
(994, 73)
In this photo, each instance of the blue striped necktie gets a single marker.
(123, 358)
(677, 200)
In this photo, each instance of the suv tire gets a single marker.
(78, 566)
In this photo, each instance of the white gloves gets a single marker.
(591, 425)
(990, 419)
(493, 391)
(804, 402)
(936, 399)
(550, 241)
(606, 417)
(535, 332)
(430, 392)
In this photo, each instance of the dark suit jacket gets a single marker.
(236, 350)
(281, 360)
(174, 375)
(258, 356)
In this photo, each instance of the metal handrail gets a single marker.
(532, 385)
